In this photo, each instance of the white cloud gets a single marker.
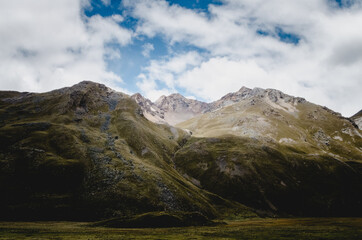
(164, 72)
(325, 66)
(150, 89)
(106, 2)
(51, 44)
(147, 49)
(219, 76)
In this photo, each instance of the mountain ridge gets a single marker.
(88, 152)
(168, 104)
(156, 112)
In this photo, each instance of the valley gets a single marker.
(253, 229)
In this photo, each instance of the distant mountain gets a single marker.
(175, 108)
(172, 109)
(87, 152)
(247, 93)
(150, 110)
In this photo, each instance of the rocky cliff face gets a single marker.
(357, 118)
(150, 110)
(177, 108)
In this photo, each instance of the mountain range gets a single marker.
(88, 152)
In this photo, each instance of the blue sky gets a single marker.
(133, 59)
(202, 49)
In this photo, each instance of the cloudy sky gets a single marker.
(200, 48)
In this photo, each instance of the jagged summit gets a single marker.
(257, 93)
(175, 108)
(170, 109)
(83, 86)
(243, 88)
(88, 82)
(149, 109)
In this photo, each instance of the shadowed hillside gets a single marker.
(87, 152)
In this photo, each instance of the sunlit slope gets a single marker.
(295, 122)
(277, 154)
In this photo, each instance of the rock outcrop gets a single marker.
(357, 118)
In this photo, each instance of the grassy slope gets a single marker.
(239, 153)
(87, 153)
(277, 179)
(263, 120)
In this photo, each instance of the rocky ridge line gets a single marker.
(175, 108)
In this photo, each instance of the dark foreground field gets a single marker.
(301, 228)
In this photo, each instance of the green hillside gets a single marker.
(278, 154)
(86, 152)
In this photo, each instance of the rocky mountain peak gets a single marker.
(142, 101)
(160, 99)
(86, 85)
(257, 94)
(88, 96)
(170, 109)
(176, 96)
(138, 96)
(150, 110)
(176, 108)
(177, 102)
(243, 89)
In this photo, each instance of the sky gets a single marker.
(202, 49)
